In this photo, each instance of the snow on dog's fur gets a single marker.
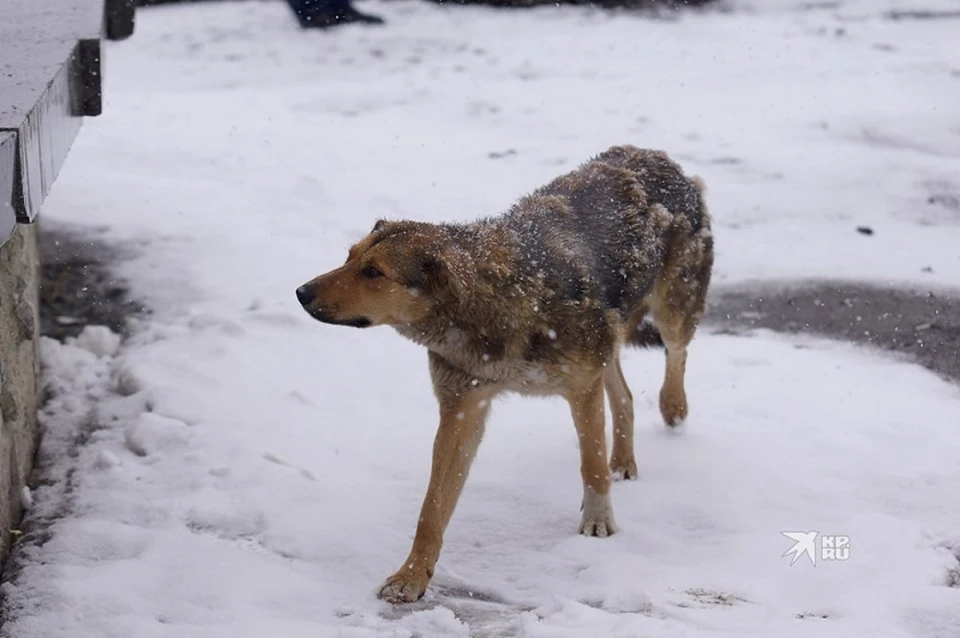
(537, 301)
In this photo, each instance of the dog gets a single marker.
(537, 301)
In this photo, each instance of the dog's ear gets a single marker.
(379, 225)
(450, 271)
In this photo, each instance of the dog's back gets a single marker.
(606, 229)
(604, 233)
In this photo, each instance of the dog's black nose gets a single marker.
(305, 295)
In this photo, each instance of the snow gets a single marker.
(99, 340)
(236, 469)
(279, 514)
(26, 497)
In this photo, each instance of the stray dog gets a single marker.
(536, 301)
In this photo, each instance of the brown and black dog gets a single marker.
(537, 301)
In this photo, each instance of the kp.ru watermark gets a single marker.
(829, 547)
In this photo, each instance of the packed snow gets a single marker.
(235, 468)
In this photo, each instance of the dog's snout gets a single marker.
(305, 295)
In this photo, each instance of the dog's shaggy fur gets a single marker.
(537, 301)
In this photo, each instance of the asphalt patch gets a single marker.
(78, 287)
(923, 325)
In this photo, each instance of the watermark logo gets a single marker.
(829, 547)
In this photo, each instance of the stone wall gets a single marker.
(19, 387)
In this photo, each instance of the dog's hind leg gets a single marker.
(586, 404)
(673, 396)
(677, 309)
(623, 464)
(678, 301)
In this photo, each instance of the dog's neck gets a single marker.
(457, 340)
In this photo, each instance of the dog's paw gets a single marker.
(406, 586)
(598, 528)
(623, 470)
(673, 406)
(597, 515)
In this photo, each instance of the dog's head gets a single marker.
(398, 274)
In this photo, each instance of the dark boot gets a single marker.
(339, 16)
(329, 13)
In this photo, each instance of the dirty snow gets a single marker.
(236, 469)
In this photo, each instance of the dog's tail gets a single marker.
(645, 335)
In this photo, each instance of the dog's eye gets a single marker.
(371, 272)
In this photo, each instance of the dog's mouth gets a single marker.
(354, 322)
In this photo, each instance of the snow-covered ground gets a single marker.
(236, 469)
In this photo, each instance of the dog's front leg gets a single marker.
(461, 428)
(586, 403)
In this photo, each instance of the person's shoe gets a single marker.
(337, 17)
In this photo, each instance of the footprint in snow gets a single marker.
(485, 613)
(304, 472)
(151, 434)
(225, 523)
(818, 615)
(705, 598)
(277, 318)
(210, 322)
